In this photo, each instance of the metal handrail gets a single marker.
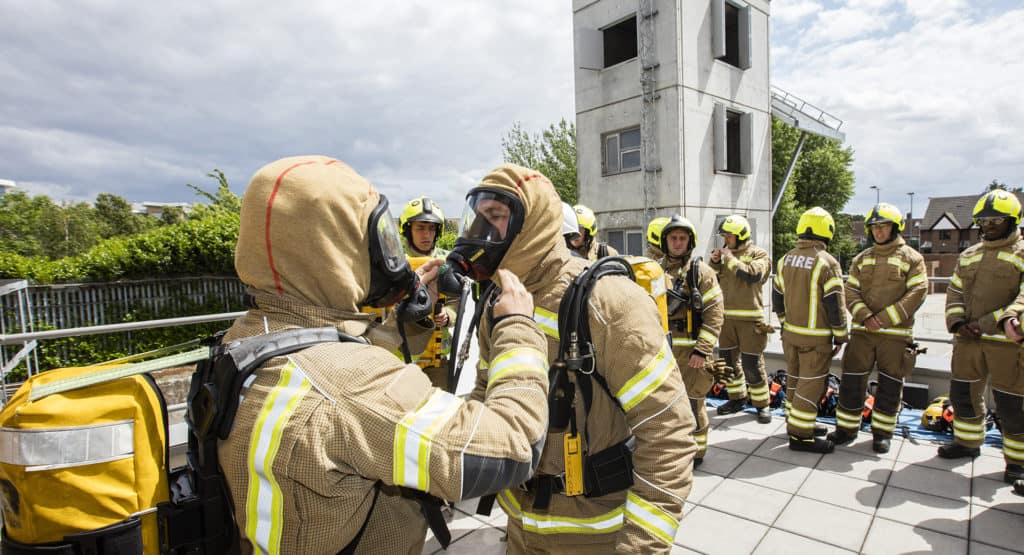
(18, 338)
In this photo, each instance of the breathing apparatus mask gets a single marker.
(391, 277)
(491, 220)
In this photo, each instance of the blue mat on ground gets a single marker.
(910, 418)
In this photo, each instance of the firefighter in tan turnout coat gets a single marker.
(808, 298)
(887, 285)
(513, 221)
(743, 269)
(324, 437)
(695, 318)
(984, 301)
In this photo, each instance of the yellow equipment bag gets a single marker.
(649, 275)
(74, 460)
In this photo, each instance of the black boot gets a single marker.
(820, 430)
(764, 415)
(880, 444)
(1018, 487)
(815, 445)
(957, 451)
(731, 406)
(841, 436)
(697, 461)
(1014, 472)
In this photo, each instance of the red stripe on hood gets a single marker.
(266, 226)
(519, 184)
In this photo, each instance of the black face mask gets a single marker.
(490, 222)
(391, 277)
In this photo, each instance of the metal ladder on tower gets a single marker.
(650, 166)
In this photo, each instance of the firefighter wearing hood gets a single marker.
(887, 285)
(333, 439)
(513, 221)
(586, 244)
(695, 318)
(421, 224)
(984, 302)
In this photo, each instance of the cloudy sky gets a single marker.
(137, 99)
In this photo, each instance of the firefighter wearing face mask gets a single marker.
(331, 443)
(632, 405)
(743, 269)
(695, 318)
(887, 285)
(654, 228)
(586, 245)
(421, 223)
(807, 296)
(983, 315)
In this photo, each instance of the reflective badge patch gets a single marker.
(573, 465)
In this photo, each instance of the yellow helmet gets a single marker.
(998, 203)
(816, 223)
(586, 218)
(938, 416)
(421, 209)
(654, 231)
(881, 213)
(736, 225)
(678, 222)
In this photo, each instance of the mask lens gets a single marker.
(488, 217)
(387, 237)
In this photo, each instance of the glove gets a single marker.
(721, 371)
(764, 328)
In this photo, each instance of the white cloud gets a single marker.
(792, 12)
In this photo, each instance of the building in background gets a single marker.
(6, 185)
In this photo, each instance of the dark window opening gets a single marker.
(732, 35)
(622, 151)
(733, 140)
(620, 42)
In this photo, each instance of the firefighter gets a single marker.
(654, 228)
(983, 307)
(637, 413)
(743, 268)
(421, 223)
(807, 296)
(695, 318)
(887, 285)
(331, 444)
(586, 244)
(570, 228)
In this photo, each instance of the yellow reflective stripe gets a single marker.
(997, 337)
(848, 419)
(547, 321)
(707, 336)
(264, 502)
(919, 278)
(701, 439)
(413, 436)
(731, 264)
(998, 313)
(545, 524)
(1012, 443)
(711, 294)
(780, 282)
(955, 280)
(817, 332)
(895, 261)
(853, 281)
(520, 360)
(738, 313)
(651, 518)
(875, 415)
(866, 261)
(894, 315)
(902, 332)
(968, 260)
(955, 310)
(1012, 448)
(812, 316)
(802, 415)
(683, 342)
(1012, 259)
(833, 283)
(647, 380)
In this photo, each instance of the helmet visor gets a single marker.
(385, 239)
(490, 217)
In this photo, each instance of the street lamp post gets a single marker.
(910, 215)
(877, 192)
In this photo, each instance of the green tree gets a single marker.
(551, 152)
(222, 200)
(821, 177)
(996, 184)
(71, 228)
(115, 217)
(22, 221)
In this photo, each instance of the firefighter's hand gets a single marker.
(1012, 329)
(716, 256)
(970, 330)
(873, 323)
(428, 276)
(441, 319)
(696, 361)
(836, 349)
(514, 298)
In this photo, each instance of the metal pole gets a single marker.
(16, 338)
(789, 172)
